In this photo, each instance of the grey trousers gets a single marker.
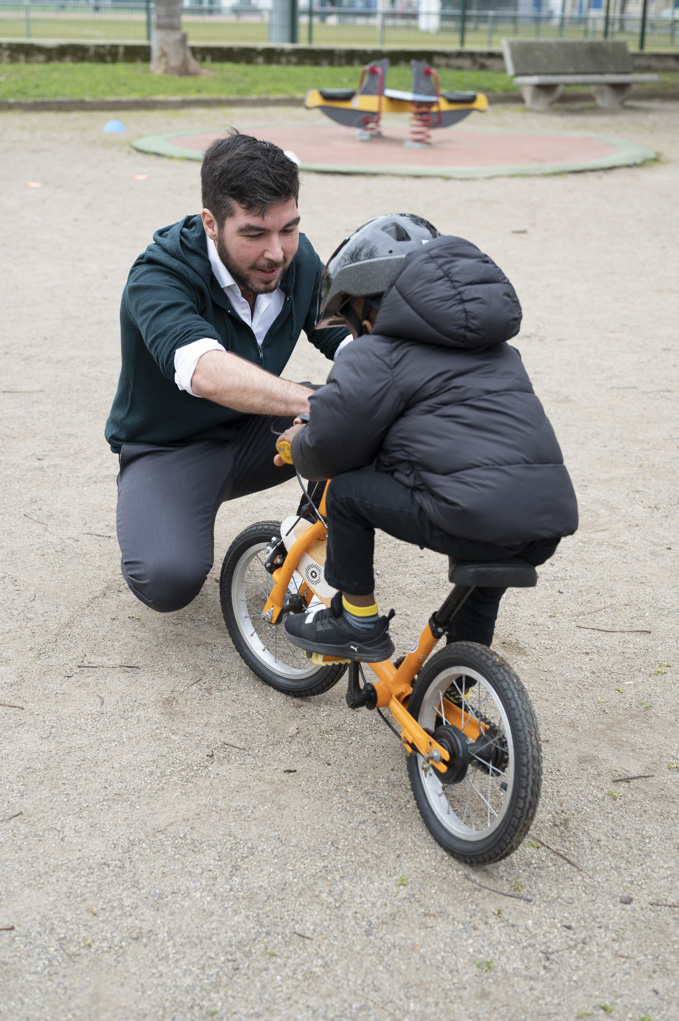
(168, 498)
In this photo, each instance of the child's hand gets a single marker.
(283, 443)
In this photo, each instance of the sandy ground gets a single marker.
(178, 841)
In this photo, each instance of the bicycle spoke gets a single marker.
(245, 586)
(269, 639)
(477, 803)
(475, 810)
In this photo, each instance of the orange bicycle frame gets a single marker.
(394, 684)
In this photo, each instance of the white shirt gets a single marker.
(267, 308)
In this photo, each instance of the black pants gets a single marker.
(360, 502)
(168, 498)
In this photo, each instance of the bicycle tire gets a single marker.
(484, 816)
(244, 587)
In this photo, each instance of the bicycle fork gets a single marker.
(283, 574)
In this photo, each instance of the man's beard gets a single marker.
(240, 276)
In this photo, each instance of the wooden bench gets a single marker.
(541, 67)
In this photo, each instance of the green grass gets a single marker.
(89, 24)
(83, 28)
(126, 81)
(122, 81)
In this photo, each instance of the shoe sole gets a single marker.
(348, 651)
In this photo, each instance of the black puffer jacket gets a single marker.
(437, 398)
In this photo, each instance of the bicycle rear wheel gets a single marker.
(244, 587)
(470, 699)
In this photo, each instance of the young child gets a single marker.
(428, 427)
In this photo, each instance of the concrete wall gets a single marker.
(21, 51)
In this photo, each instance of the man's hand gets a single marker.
(287, 438)
(230, 380)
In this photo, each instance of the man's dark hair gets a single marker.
(246, 170)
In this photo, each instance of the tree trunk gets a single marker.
(170, 53)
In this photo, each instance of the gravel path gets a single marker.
(180, 842)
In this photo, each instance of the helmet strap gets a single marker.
(356, 321)
(352, 317)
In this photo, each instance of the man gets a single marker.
(210, 315)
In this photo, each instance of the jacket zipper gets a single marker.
(235, 316)
(287, 305)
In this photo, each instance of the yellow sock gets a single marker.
(359, 611)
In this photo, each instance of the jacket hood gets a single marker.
(449, 293)
(183, 247)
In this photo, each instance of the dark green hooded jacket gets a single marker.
(171, 299)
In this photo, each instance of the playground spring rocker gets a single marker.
(429, 108)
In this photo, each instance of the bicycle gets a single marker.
(466, 721)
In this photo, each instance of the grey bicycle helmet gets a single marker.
(366, 264)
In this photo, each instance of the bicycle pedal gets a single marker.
(320, 660)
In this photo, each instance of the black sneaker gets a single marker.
(329, 633)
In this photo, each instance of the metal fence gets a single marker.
(405, 24)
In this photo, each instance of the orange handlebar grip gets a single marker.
(284, 451)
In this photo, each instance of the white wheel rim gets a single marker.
(250, 587)
(474, 808)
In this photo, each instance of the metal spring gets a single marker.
(420, 125)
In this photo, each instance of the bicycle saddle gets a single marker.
(513, 573)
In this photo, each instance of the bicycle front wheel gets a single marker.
(471, 701)
(244, 587)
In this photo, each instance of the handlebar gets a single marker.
(283, 446)
(284, 451)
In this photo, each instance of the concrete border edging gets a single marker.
(624, 154)
(181, 102)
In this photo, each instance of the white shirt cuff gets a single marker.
(342, 343)
(186, 359)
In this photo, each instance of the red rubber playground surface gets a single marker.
(454, 151)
